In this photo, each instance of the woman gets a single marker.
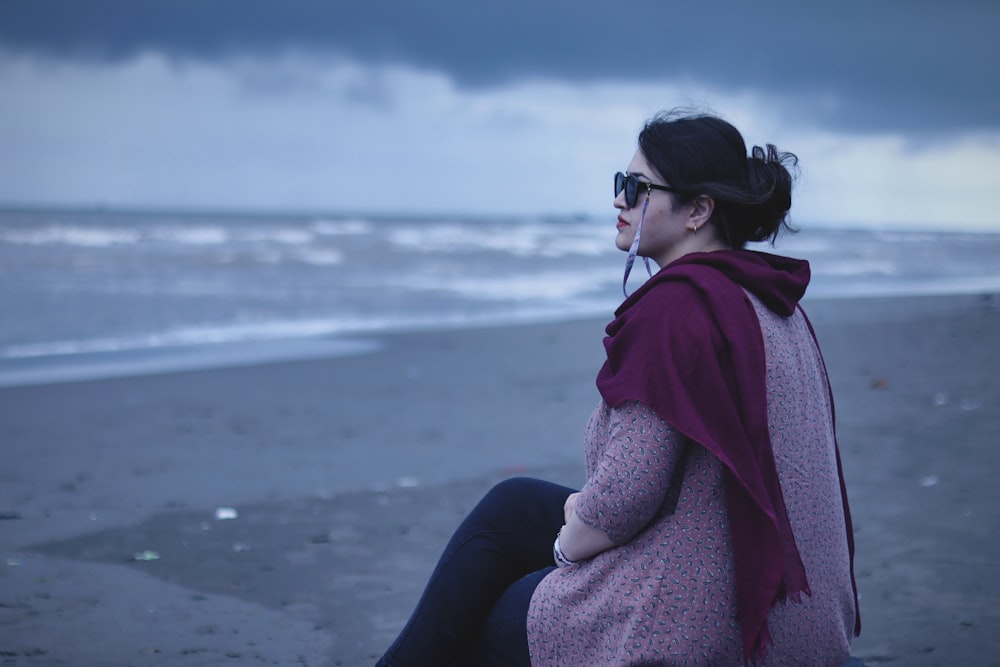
(713, 527)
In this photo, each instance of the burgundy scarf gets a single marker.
(688, 344)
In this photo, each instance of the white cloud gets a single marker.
(304, 133)
(887, 181)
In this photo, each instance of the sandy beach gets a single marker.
(289, 513)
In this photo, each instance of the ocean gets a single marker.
(91, 294)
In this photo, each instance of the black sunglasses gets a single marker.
(630, 184)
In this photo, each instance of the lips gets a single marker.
(621, 224)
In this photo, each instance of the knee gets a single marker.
(500, 508)
(512, 492)
(525, 500)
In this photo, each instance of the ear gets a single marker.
(701, 209)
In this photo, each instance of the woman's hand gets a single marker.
(569, 506)
(578, 540)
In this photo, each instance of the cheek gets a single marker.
(656, 233)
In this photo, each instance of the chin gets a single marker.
(622, 242)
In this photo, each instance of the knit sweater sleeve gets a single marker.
(629, 479)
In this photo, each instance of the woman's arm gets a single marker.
(628, 487)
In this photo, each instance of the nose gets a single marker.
(619, 201)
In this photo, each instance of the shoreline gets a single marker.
(60, 368)
(349, 473)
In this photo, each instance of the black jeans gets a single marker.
(474, 609)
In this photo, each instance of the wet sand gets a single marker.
(348, 474)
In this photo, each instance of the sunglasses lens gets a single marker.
(630, 185)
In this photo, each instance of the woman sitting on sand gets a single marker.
(713, 527)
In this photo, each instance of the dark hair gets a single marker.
(704, 155)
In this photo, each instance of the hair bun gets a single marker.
(770, 181)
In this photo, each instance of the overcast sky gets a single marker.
(893, 106)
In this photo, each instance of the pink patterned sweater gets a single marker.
(666, 594)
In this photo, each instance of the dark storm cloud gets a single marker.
(904, 65)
